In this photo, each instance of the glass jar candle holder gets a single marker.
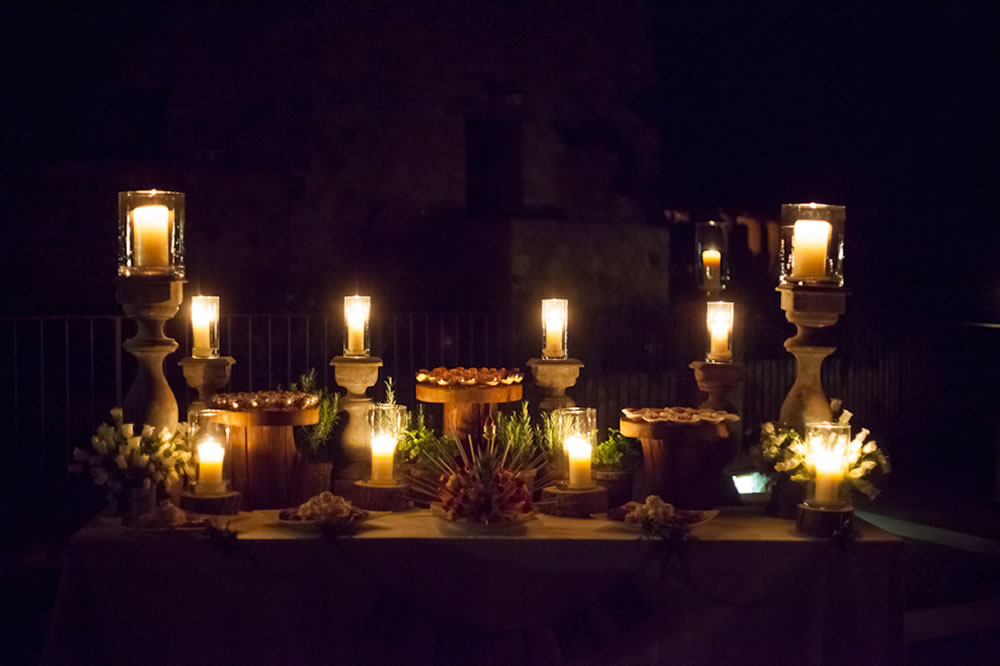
(357, 337)
(205, 326)
(719, 320)
(208, 430)
(826, 459)
(151, 233)
(812, 245)
(578, 435)
(387, 424)
(712, 254)
(555, 314)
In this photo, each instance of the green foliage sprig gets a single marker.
(516, 431)
(314, 441)
(617, 451)
(419, 439)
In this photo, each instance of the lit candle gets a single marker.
(579, 451)
(383, 448)
(151, 226)
(554, 315)
(810, 239)
(205, 326)
(719, 318)
(210, 455)
(356, 311)
(712, 261)
(829, 473)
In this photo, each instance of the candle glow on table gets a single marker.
(579, 451)
(711, 260)
(554, 316)
(151, 227)
(356, 312)
(205, 326)
(210, 456)
(383, 449)
(719, 318)
(810, 241)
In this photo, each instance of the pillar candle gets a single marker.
(151, 229)
(579, 451)
(356, 310)
(204, 318)
(712, 262)
(210, 455)
(383, 448)
(829, 473)
(719, 318)
(810, 239)
(554, 311)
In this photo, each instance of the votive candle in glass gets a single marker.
(211, 455)
(826, 458)
(812, 244)
(719, 319)
(387, 423)
(205, 326)
(578, 432)
(151, 233)
(712, 248)
(357, 311)
(555, 314)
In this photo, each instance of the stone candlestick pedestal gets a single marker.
(150, 302)
(553, 377)
(356, 375)
(814, 311)
(718, 381)
(207, 376)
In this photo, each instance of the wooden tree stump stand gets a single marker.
(559, 500)
(819, 522)
(466, 408)
(262, 447)
(226, 504)
(377, 497)
(684, 462)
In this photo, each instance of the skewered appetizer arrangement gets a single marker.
(265, 400)
(461, 376)
(679, 415)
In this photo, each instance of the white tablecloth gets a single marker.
(406, 589)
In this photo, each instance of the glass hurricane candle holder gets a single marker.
(210, 434)
(357, 337)
(151, 233)
(205, 326)
(812, 244)
(719, 320)
(387, 424)
(555, 314)
(826, 458)
(712, 254)
(578, 435)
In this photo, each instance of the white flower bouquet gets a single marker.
(121, 457)
(785, 452)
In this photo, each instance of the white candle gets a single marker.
(810, 240)
(554, 311)
(151, 228)
(210, 455)
(383, 448)
(356, 311)
(712, 262)
(204, 319)
(579, 451)
(829, 473)
(719, 319)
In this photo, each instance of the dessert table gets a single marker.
(410, 588)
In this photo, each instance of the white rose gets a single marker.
(116, 414)
(146, 483)
(870, 447)
(768, 428)
(148, 431)
(128, 430)
(868, 465)
(141, 461)
(856, 473)
(845, 416)
(133, 442)
(120, 461)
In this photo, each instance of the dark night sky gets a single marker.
(888, 110)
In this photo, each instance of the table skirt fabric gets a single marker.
(746, 590)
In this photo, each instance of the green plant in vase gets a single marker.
(615, 461)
